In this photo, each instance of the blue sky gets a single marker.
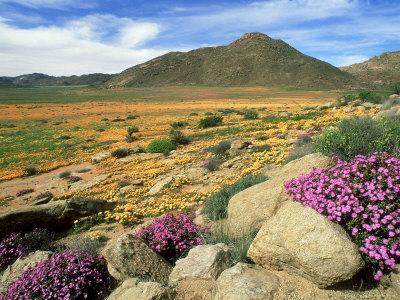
(65, 37)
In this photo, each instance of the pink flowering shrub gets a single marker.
(171, 235)
(362, 195)
(66, 275)
(11, 248)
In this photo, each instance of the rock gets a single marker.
(196, 289)
(348, 109)
(127, 189)
(138, 182)
(394, 96)
(137, 150)
(132, 289)
(159, 186)
(128, 256)
(368, 105)
(248, 209)
(13, 271)
(99, 157)
(84, 185)
(246, 282)
(56, 215)
(238, 146)
(43, 198)
(392, 279)
(202, 262)
(300, 240)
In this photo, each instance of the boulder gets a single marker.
(128, 256)
(392, 280)
(246, 282)
(159, 186)
(99, 157)
(238, 146)
(133, 288)
(298, 239)
(84, 185)
(196, 289)
(248, 209)
(13, 271)
(394, 96)
(56, 215)
(202, 262)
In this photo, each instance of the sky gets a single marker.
(66, 37)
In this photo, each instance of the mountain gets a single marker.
(253, 59)
(38, 79)
(379, 70)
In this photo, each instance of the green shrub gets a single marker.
(64, 174)
(210, 121)
(249, 114)
(132, 129)
(179, 124)
(396, 89)
(161, 146)
(215, 207)
(261, 148)
(212, 164)
(177, 137)
(220, 148)
(120, 152)
(238, 245)
(131, 117)
(360, 135)
(261, 137)
(31, 170)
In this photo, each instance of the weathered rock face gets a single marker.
(237, 146)
(13, 271)
(159, 186)
(202, 262)
(83, 185)
(246, 282)
(132, 289)
(300, 240)
(54, 215)
(251, 207)
(393, 280)
(128, 256)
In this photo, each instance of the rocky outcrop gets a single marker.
(128, 256)
(133, 288)
(13, 271)
(160, 185)
(55, 215)
(300, 240)
(246, 282)
(99, 157)
(251, 207)
(202, 262)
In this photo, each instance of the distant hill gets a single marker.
(379, 70)
(253, 59)
(38, 79)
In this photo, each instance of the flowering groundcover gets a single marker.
(363, 196)
(66, 275)
(171, 235)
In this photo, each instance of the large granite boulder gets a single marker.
(133, 288)
(248, 209)
(128, 256)
(300, 240)
(246, 282)
(202, 262)
(54, 215)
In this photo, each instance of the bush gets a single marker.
(179, 124)
(17, 245)
(249, 114)
(215, 207)
(212, 164)
(260, 148)
(396, 89)
(178, 138)
(24, 192)
(64, 174)
(132, 129)
(368, 96)
(82, 244)
(171, 235)
(220, 149)
(66, 275)
(120, 152)
(31, 170)
(210, 121)
(161, 146)
(360, 135)
(238, 245)
(363, 196)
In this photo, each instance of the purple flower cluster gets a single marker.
(66, 275)
(362, 195)
(171, 235)
(11, 248)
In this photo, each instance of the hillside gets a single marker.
(379, 70)
(38, 79)
(253, 59)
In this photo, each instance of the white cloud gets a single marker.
(56, 4)
(80, 46)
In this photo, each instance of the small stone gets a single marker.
(99, 157)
